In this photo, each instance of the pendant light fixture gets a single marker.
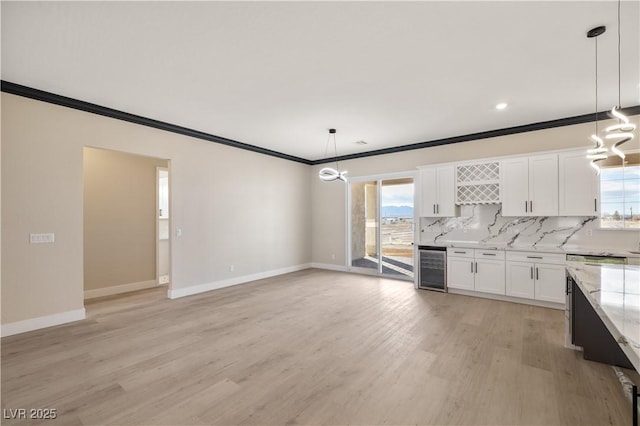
(623, 131)
(328, 174)
(598, 153)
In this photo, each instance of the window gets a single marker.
(620, 193)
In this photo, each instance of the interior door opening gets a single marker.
(382, 227)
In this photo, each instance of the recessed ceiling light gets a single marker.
(361, 142)
(501, 105)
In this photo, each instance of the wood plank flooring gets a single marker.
(311, 347)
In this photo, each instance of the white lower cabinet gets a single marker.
(538, 276)
(460, 273)
(476, 270)
(490, 276)
(525, 275)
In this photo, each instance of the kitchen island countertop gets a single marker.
(614, 293)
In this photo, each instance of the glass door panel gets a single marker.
(364, 225)
(382, 230)
(396, 229)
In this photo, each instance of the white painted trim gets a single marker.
(533, 302)
(330, 266)
(42, 322)
(117, 289)
(175, 293)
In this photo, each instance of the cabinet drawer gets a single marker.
(489, 254)
(535, 257)
(459, 252)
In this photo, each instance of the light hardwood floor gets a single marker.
(311, 347)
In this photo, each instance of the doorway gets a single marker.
(122, 251)
(381, 226)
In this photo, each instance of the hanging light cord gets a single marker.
(596, 85)
(619, 102)
(335, 150)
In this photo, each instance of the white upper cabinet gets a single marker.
(515, 187)
(579, 186)
(530, 186)
(438, 192)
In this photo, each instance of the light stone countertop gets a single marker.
(614, 293)
(537, 248)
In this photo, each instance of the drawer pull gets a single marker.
(488, 254)
(460, 252)
(532, 272)
(534, 257)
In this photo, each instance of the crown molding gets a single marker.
(41, 95)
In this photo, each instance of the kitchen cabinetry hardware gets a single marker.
(530, 206)
(488, 254)
(460, 252)
(534, 257)
(537, 278)
(526, 209)
(532, 272)
(595, 204)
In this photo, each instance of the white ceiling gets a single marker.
(279, 74)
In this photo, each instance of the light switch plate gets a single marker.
(42, 238)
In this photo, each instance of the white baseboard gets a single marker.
(117, 289)
(201, 288)
(522, 301)
(330, 266)
(42, 322)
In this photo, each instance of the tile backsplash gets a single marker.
(483, 223)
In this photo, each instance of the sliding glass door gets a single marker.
(381, 226)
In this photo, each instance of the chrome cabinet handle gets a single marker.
(488, 254)
(472, 267)
(525, 207)
(531, 272)
(534, 257)
(434, 209)
(595, 204)
(530, 206)
(537, 273)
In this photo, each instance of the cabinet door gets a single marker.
(550, 283)
(520, 279)
(543, 185)
(490, 276)
(578, 185)
(429, 192)
(460, 273)
(446, 203)
(514, 187)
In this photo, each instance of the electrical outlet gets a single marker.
(589, 232)
(164, 279)
(232, 268)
